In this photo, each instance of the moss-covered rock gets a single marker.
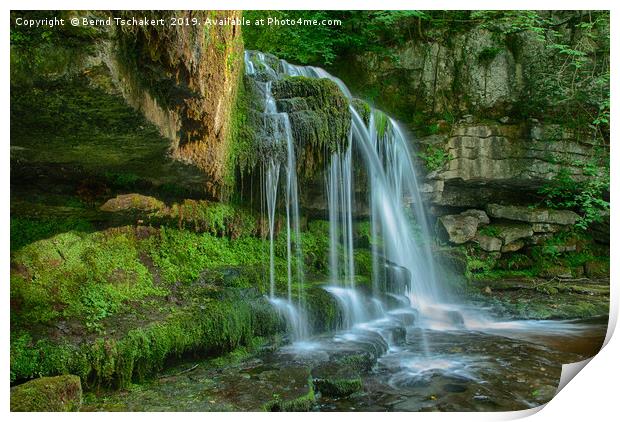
(319, 115)
(303, 403)
(133, 202)
(338, 387)
(48, 394)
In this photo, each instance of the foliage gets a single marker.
(350, 31)
(587, 196)
(434, 157)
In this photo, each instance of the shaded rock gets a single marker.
(532, 215)
(510, 233)
(459, 229)
(513, 246)
(462, 228)
(556, 271)
(338, 387)
(48, 394)
(597, 268)
(133, 202)
(482, 216)
(488, 243)
(545, 228)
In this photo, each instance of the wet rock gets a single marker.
(399, 335)
(488, 243)
(513, 246)
(397, 277)
(456, 318)
(338, 387)
(133, 202)
(48, 394)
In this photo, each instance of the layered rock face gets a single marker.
(502, 162)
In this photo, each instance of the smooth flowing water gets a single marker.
(407, 295)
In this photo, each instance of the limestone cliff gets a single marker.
(182, 78)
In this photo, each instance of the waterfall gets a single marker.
(403, 270)
(277, 136)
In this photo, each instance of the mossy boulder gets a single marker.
(48, 394)
(133, 202)
(302, 403)
(338, 387)
(319, 116)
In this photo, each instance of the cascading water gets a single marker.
(402, 264)
(277, 137)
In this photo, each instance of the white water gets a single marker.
(277, 136)
(405, 285)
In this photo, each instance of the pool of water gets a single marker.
(511, 365)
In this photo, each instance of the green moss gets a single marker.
(338, 387)
(322, 126)
(25, 230)
(215, 218)
(323, 312)
(363, 109)
(300, 404)
(85, 275)
(207, 326)
(48, 394)
(242, 150)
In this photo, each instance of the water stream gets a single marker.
(407, 295)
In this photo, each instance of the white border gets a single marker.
(591, 396)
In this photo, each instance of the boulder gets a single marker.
(545, 228)
(133, 202)
(513, 246)
(462, 228)
(482, 216)
(48, 394)
(488, 243)
(510, 233)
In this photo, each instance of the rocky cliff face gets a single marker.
(488, 140)
(502, 162)
(182, 78)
